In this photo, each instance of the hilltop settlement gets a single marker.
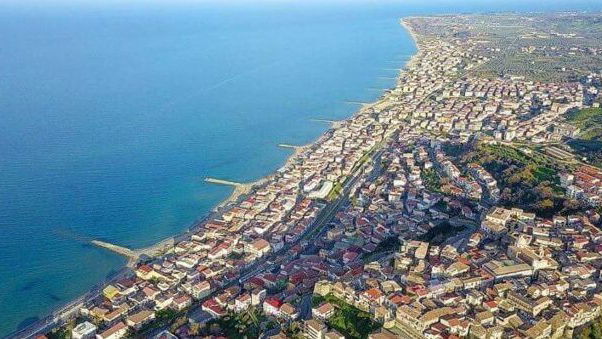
(464, 203)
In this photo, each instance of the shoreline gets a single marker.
(244, 189)
(238, 194)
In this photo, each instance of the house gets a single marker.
(258, 247)
(324, 311)
(288, 311)
(257, 296)
(181, 302)
(139, 319)
(243, 302)
(314, 329)
(201, 289)
(115, 332)
(271, 306)
(145, 272)
(212, 307)
(165, 334)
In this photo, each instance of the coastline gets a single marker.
(238, 194)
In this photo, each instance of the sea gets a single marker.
(113, 113)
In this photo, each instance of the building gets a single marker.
(141, 318)
(314, 329)
(258, 247)
(85, 330)
(117, 331)
(323, 311)
(271, 306)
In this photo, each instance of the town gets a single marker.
(452, 207)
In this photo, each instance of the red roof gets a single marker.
(274, 302)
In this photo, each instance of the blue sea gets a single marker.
(111, 116)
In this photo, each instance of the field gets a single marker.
(546, 47)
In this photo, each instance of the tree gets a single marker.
(545, 204)
(195, 329)
(545, 191)
(571, 204)
(596, 331)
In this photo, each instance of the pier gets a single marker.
(134, 255)
(356, 102)
(289, 146)
(126, 252)
(223, 182)
(240, 188)
(325, 120)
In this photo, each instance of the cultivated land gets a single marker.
(452, 206)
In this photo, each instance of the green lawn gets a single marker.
(349, 320)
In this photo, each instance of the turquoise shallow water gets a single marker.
(112, 116)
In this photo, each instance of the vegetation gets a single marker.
(278, 287)
(387, 245)
(590, 149)
(60, 333)
(335, 191)
(431, 180)
(349, 320)
(452, 150)
(589, 121)
(589, 142)
(237, 325)
(593, 331)
(438, 234)
(529, 181)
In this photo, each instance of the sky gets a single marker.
(594, 4)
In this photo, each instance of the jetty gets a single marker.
(126, 252)
(289, 146)
(223, 182)
(329, 121)
(240, 188)
(353, 102)
(133, 255)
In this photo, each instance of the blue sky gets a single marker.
(539, 3)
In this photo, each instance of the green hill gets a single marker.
(589, 142)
